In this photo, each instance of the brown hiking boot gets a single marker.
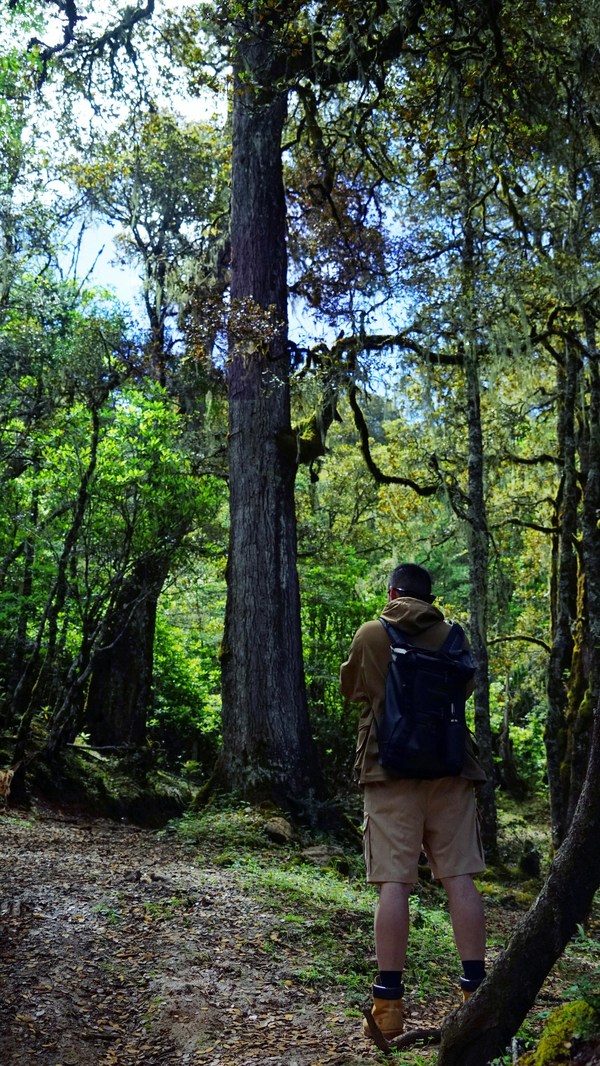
(387, 1011)
(468, 987)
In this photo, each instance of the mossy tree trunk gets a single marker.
(585, 688)
(571, 684)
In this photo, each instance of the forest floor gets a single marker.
(132, 946)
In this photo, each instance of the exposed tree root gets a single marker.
(413, 1036)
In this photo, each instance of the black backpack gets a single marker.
(422, 729)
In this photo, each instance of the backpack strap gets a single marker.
(395, 635)
(453, 644)
(455, 641)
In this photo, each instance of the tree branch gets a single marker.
(521, 636)
(378, 342)
(71, 44)
(375, 471)
(413, 1036)
(532, 460)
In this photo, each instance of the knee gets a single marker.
(461, 885)
(395, 890)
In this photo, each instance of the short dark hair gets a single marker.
(412, 579)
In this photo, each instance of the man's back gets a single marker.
(363, 677)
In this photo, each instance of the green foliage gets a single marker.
(585, 948)
(164, 909)
(223, 826)
(332, 610)
(186, 716)
(99, 480)
(570, 1022)
(109, 912)
(115, 787)
(164, 181)
(527, 717)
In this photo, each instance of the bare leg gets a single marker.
(467, 916)
(391, 925)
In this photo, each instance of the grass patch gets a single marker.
(111, 915)
(320, 911)
(223, 830)
(320, 915)
(163, 909)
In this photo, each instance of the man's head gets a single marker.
(410, 579)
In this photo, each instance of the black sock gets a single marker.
(390, 978)
(474, 969)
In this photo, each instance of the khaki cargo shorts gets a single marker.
(402, 817)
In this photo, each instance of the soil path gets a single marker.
(118, 947)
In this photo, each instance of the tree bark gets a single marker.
(563, 603)
(267, 744)
(483, 1028)
(587, 633)
(477, 532)
(120, 691)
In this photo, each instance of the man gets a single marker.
(404, 815)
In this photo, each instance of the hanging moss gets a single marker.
(572, 1021)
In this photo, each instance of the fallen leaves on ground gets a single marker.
(118, 946)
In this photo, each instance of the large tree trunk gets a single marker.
(120, 691)
(477, 531)
(563, 602)
(483, 1028)
(267, 744)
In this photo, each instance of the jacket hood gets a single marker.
(414, 616)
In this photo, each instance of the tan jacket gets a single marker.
(363, 676)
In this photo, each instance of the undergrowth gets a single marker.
(327, 908)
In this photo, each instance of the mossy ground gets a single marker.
(569, 1026)
(112, 785)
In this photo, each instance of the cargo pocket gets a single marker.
(361, 747)
(366, 838)
(478, 824)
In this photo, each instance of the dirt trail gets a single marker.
(118, 947)
(122, 946)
